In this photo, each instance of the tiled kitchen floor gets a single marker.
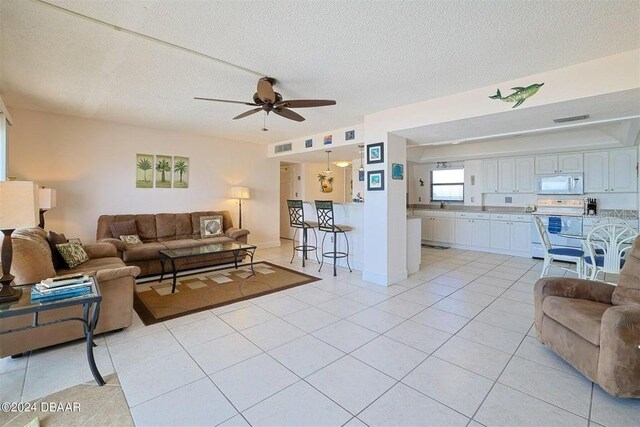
(451, 345)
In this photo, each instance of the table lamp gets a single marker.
(240, 193)
(18, 209)
(47, 198)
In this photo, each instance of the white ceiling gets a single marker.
(604, 108)
(369, 56)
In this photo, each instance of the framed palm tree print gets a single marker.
(163, 167)
(180, 172)
(144, 170)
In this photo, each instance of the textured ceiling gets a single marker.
(368, 55)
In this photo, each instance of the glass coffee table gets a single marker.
(188, 256)
(90, 303)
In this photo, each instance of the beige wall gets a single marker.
(91, 164)
(312, 186)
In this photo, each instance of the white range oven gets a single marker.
(568, 220)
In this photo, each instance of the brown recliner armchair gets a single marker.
(32, 262)
(595, 326)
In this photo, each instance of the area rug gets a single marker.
(81, 405)
(155, 303)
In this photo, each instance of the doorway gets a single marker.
(287, 191)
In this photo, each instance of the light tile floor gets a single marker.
(451, 345)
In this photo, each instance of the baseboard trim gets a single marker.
(266, 245)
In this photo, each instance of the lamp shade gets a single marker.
(47, 197)
(18, 204)
(240, 192)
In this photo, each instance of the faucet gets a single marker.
(442, 205)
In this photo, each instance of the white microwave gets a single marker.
(560, 184)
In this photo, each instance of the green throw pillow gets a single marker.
(131, 240)
(72, 253)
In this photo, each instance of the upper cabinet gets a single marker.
(525, 176)
(596, 176)
(562, 163)
(507, 175)
(570, 163)
(516, 175)
(612, 171)
(490, 175)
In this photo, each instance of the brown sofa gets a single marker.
(32, 262)
(595, 326)
(168, 231)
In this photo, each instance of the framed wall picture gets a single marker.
(375, 180)
(180, 172)
(375, 153)
(164, 167)
(350, 135)
(328, 140)
(397, 171)
(308, 143)
(144, 170)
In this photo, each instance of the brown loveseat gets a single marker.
(595, 326)
(32, 262)
(168, 231)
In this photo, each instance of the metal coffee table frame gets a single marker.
(89, 317)
(169, 256)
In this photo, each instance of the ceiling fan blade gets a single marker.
(225, 100)
(247, 113)
(265, 90)
(291, 115)
(305, 103)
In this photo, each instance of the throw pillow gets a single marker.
(131, 240)
(211, 226)
(124, 228)
(55, 239)
(73, 254)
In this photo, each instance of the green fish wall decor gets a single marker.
(520, 95)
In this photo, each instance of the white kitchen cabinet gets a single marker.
(511, 233)
(481, 233)
(507, 175)
(437, 226)
(546, 164)
(500, 235)
(561, 163)
(596, 172)
(443, 229)
(613, 171)
(490, 175)
(463, 229)
(520, 239)
(623, 172)
(525, 175)
(427, 226)
(570, 163)
(516, 175)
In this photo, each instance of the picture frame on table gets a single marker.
(375, 153)
(375, 180)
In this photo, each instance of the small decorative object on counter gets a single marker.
(529, 208)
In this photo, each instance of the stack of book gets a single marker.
(61, 288)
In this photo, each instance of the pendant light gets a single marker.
(328, 171)
(361, 168)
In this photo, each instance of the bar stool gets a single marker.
(296, 220)
(324, 208)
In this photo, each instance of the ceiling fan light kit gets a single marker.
(267, 100)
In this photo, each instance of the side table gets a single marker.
(90, 314)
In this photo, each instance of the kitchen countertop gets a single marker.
(629, 214)
(474, 209)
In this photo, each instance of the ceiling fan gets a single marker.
(267, 100)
